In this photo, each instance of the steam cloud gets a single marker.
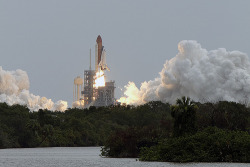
(78, 104)
(14, 89)
(200, 74)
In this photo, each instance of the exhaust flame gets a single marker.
(100, 79)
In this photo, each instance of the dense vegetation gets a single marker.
(210, 132)
(75, 127)
(154, 131)
(209, 145)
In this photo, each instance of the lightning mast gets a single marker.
(90, 59)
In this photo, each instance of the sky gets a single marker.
(50, 40)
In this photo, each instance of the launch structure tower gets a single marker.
(94, 94)
(89, 91)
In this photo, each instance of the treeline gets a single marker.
(75, 127)
(155, 131)
(210, 132)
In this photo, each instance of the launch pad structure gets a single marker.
(105, 94)
(89, 93)
(93, 95)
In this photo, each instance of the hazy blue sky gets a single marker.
(50, 39)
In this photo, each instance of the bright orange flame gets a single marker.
(99, 80)
(123, 100)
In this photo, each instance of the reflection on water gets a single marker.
(83, 156)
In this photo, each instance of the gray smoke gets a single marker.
(14, 89)
(200, 74)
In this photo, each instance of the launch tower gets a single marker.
(89, 92)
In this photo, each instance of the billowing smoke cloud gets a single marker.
(14, 89)
(200, 74)
(78, 104)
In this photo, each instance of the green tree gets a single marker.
(184, 114)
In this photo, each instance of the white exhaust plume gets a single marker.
(14, 89)
(78, 104)
(200, 74)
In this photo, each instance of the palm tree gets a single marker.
(184, 113)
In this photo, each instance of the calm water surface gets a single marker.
(83, 156)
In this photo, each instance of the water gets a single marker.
(81, 157)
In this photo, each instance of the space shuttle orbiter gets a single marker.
(102, 64)
(100, 55)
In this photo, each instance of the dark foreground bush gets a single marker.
(209, 145)
(127, 143)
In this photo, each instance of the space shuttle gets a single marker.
(100, 56)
